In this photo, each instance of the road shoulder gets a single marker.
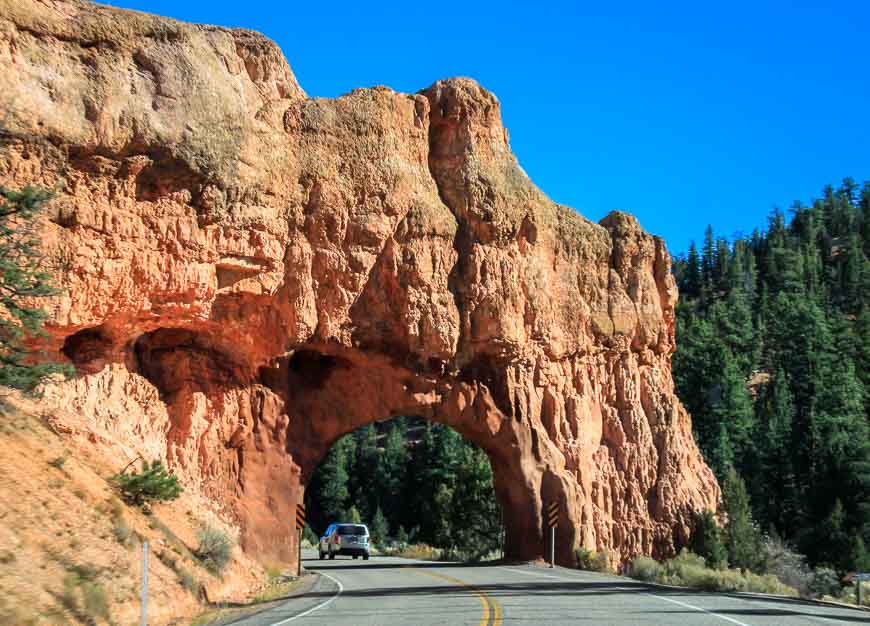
(225, 614)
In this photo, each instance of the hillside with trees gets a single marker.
(411, 481)
(773, 363)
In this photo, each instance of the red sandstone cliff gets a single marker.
(249, 273)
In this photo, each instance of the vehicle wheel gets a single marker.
(332, 555)
(355, 557)
(365, 557)
(322, 556)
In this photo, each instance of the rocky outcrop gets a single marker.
(260, 272)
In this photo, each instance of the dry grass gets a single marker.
(277, 588)
(419, 551)
(70, 550)
(690, 570)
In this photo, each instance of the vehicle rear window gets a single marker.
(352, 530)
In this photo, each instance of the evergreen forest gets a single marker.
(773, 364)
(411, 481)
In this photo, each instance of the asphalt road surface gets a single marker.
(388, 591)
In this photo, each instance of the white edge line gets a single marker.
(684, 604)
(697, 608)
(319, 606)
(519, 571)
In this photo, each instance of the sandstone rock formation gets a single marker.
(249, 273)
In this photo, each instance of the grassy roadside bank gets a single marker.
(279, 588)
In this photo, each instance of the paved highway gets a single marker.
(390, 591)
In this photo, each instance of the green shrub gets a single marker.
(95, 603)
(214, 549)
(153, 483)
(84, 598)
(122, 531)
(585, 558)
(309, 537)
(786, 564)
(824, 582)
(70, 597)
(690, 570)
(592, 560)
(645, 568)
(687, 569)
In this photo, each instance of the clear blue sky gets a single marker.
(684, 114)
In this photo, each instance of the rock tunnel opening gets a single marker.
(88, 349)
(173, 359)
(418, 485)
(329, 393)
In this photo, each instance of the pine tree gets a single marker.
(476, 517)
(22, 279)
(327, 494)
(692, 285)
(389, 478)
(152, 484)
(730, 409)
(706, 541)
(708, 260)
(379, 528)
(432, 483)
(742, 538)
(365, 467)
(775, 485)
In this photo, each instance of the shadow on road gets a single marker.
(310, 564)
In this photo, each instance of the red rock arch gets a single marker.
(217, 232)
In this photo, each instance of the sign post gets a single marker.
(552, 522)
(300, 526)
(143, 617)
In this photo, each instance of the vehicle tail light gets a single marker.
(336, 540)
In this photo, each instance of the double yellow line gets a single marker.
(491, 609)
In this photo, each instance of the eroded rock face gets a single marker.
(249, 273)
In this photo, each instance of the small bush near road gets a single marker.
(690, 570)
(215, 548)
(122, 531)
(645, 568)
(419, 551)
(593, 561)
(84, 598)
(787, 565)
(309, 538)
(153, 483)
(824, 582)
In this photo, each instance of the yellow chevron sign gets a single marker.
(553, 514)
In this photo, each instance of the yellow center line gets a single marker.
(485, 599)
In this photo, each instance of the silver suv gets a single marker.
(352, 539)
